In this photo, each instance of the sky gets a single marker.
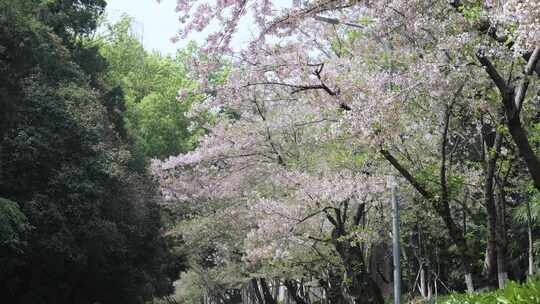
(155, 23)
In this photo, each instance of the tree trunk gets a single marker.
(268, 299)
(334, 288)
(512, 100)
(491, 154)
(256, 291)
(292, 288)
(469, 282)
(275, 289)
(423, 291)
(429, 292)
(496, 211)
(519, 135)
(502, 239)
(359, 282)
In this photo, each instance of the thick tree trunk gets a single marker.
(360, 284)
(519, 135)
(275, 289)
(491, 251)
(502, 274)
(429, 292)
(491, 257)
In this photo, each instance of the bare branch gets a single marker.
(494, 75)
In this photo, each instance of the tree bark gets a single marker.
(275, 289)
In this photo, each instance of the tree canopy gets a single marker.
(289, 186)
(80, 221)
(151, 82)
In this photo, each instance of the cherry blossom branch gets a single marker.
(329, 216)
(486, 28)
(313, 122)
(529, 69)
(335, 21)
(269, 136)
(296, 88)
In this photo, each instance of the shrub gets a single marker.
(513, 293)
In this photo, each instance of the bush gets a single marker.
(513, 293)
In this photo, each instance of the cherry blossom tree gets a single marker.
(410, 84)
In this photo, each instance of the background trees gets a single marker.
(79, 214)
(150, 83)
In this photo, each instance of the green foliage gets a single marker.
(513, 293)
(150, 82)
(13, 225)
(86, 226)
(521, 213)
(68, 17)
(191, 288)
(472, 13)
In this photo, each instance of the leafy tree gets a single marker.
(155, 117)
(443, 94)
(86, 226)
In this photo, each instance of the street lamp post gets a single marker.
(395, 243)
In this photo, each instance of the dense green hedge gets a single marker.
(513, 293)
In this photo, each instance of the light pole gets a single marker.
(395, 242)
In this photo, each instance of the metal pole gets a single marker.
(395, 243)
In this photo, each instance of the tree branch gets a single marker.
(529, 69)
(494, 75)
(407, 175)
